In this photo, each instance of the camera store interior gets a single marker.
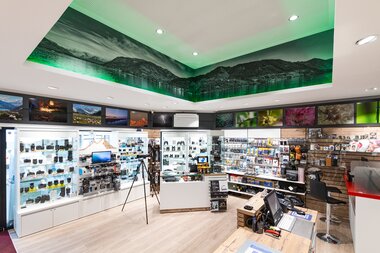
(189, 126)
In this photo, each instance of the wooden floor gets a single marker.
(114, 231)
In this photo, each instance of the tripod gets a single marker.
(142, 164)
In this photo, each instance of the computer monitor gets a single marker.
(273, 205)
(202, 159)
(101, 157)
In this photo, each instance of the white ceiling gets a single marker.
(217, 30)
(24, 23)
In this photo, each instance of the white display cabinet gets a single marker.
(130, 145)
(180, 151)
(48, 166)
(182, 185)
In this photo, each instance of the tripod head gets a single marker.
(143, 156)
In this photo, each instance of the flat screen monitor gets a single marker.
(101, 157)
(273, 205)
(202, 159)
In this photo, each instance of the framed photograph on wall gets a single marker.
(117, 117)
(47, 110)
(367, 112)
(246, 119)
(224, 120)
(300, 116)
(162, 120)
(270, 118)
(338, 114)
(87, 114)
(139, 119)
(11, 107)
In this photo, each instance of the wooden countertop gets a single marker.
(287, 243)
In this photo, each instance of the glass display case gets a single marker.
(185, 155)
(46, 166)
(129, 146)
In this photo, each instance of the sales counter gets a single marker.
(364, 208)
(244, 240)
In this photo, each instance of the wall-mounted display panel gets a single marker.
(87, 114)
(338, 114)
(11, 107)
(270, 118)
(224, 120)
(116, 117)
(366, 112)
(246, 119)
(162, 120)
(48, 110)
(138, 119)
(300, 116)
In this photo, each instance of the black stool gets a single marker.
(319, 191)
(333, 219)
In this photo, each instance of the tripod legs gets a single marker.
(129, 192)
(142, 163)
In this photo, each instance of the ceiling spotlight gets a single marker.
(109, 97)
(159, 31)
(174, 103)
(52, 88)
(293, 18)
(277, 100)
(371, 89)
(195, 53)
(366, 40)
(146, 104)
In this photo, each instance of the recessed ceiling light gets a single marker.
(146, 104)
(371, 89)
(293, 18)
(195, 53)
(245, 103)
(52, 88)
(174, 103)
(277, 100)
(109, 97)
(159, 31)
(366, 40)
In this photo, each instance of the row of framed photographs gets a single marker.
(56, 111)
(366, 112)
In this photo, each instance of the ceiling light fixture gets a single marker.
(159, 31)
(52, 88)
(293, 18)
(146, 104)
(277, 100)
(371, 89)
(366, 40)
(195, 53)
(175, 103)
(109, 97)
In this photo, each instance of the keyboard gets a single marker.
(287, 222)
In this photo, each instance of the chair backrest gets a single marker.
(318, 190)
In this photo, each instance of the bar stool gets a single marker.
(333, 219)
(319, 191)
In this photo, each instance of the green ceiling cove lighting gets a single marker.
(81, 42)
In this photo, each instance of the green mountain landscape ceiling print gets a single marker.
(83, 45)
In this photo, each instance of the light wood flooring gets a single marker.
(116, 231)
